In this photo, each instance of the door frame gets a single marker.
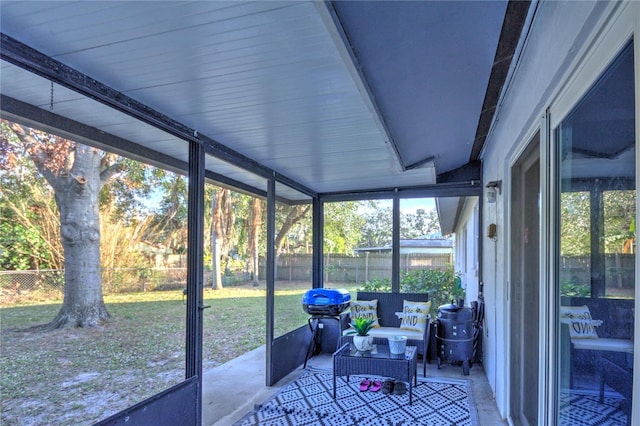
(527, 159)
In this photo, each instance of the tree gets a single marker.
(619, 216)
(76, 173)
(575, 224)
(618, 207)
(377, 230)
(422, 224)
(222, 230)
(169, 224)
(29, 223)
(288, 217)
(342, 227)
(253, 238)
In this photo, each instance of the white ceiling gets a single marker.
(307, 89)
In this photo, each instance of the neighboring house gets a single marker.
(434, 246)
(460, 216)
(414, 254)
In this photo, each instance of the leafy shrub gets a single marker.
(377, 284)
(569, 289)
(442, 285)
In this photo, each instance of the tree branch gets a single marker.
(37, 155)
(110, 172)
(294, 216)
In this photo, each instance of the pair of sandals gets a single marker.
(388, 387)
(370, 385)
(395, 388)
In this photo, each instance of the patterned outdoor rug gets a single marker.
(309, 401)
(583, 408)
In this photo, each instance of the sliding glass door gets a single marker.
(596, 211)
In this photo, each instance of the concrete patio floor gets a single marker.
(231, 390)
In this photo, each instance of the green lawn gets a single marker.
(79, 376)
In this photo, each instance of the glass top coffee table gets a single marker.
(347, 361)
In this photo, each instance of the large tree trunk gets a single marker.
(254, 237)
(294, 215)
(216, 281)
(215, 259)
(76, 173)
(222, 232)
(77, 199)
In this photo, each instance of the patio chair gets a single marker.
(583, 335)
(388, 306)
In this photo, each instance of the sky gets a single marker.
(411, 205)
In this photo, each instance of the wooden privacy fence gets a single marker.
(619, 269)
(339, 268)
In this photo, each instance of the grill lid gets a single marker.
(326, 296)
(326, 301)
(455, 312)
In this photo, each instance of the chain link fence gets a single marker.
(16, 285)
(45, 285)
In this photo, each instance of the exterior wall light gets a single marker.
(493, 189)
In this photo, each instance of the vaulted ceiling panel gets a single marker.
(440, 65)
(326, 94)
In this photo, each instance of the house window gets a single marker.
(596, 245)
(463, 250)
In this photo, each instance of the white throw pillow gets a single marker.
(579, 321)
(414, 315)
(367, 309)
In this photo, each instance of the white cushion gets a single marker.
(385, 332)
(605, 344)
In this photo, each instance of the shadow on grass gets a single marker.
(79, 376)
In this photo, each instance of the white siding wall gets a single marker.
(466, 257)
(558, 33)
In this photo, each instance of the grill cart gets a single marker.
(325, 306)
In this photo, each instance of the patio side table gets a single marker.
(348, 361)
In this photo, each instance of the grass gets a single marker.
(79, 376)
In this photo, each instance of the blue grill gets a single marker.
(326, 301)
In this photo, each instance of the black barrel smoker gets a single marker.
(455, 331)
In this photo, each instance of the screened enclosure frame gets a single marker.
(465, 181)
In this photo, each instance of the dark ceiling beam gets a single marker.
(38, 118)
(471, 171)
(417, 164)
(454, 189)
(514, 19)
(32, 60)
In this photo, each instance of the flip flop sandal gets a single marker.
(364, 385)
(375, 386)
(400, 388)
(387, 386)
